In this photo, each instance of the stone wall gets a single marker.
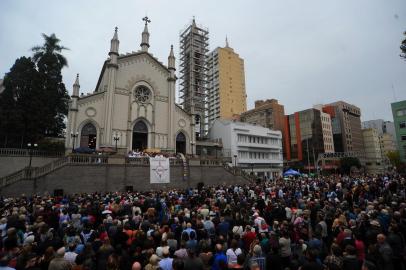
(108, 177)
(11, 164)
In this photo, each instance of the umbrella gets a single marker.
(106, 212)
(84, 150)
(106, 150)
(291, 172)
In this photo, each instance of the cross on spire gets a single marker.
(146, 19)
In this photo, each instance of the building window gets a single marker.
(401, 112)
(403, 138)
(402, 124)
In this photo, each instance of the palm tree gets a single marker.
(50, 47)
(403, 47)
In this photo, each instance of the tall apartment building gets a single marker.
(226, 84)
(399, 119)
(374, 162)
(346, 124)
(193, 74)
(308, 135)
(268, 113)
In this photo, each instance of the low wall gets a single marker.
(111, 177)
(11, 164)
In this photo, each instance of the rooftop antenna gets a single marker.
(394, 93)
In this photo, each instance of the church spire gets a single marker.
(145, 35)
(76, 87)
(227, 42)
(114, 43)
(171, 59)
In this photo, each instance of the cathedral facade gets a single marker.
(133, 105)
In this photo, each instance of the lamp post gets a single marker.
(252, 169)
(73, 136)
(30, 147)
(116, 138)
(235, 164)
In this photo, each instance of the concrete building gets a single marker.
(134, 102)
(309, 134)
(253, 148)
(374, 162)
(388, 143)
(193, 75)
(226, 84)
(399, 119)
(268, 113)
(346, 124)
(381, 126)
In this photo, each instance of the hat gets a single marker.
(375, 223)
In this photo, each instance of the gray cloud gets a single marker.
(301, 53)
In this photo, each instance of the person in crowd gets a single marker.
(333, 222)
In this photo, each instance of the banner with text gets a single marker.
(159, 170)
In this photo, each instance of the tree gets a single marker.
(394, 158)
(403, 47)
(50, 62)
(34, 103)
(347, 163)
(21, 104)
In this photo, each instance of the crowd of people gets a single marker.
(139, 154)
(334, 222)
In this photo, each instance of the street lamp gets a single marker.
(252, 169)
(30, 147)
(73, 136)
(116, 138)
(235, 163)
(193, 144)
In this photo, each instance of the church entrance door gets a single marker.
(181, 143)
(88, 136)
(140, 136)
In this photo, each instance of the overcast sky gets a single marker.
(300, 52)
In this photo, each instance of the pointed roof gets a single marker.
(171, 54)
(227, 42)
(115, 37)
(77, 80)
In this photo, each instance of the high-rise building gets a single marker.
(267, 113)
(399, 119)
(226, 84)
(193, 75)
(307, 137)
(374, 162)
(346, 124)
(381, 126)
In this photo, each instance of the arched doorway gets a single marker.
(88, 136)
(140, 136)
(181, 143)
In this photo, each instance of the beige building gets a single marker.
(133, 104)
(328, 140)
(388, 143)
(226, 84)
(374, 162)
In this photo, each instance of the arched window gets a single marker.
(140, 127)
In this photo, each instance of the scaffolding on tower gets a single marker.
(194, 46)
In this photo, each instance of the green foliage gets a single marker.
(394, 158)
(403, 47)
(34, 103)
(347, 163)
